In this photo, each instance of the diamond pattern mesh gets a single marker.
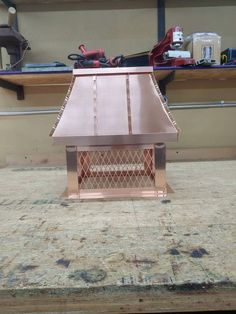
(116, 168)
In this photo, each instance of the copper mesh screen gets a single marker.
(116, 168)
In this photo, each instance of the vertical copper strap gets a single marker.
(128, 104)
(160, 169)
(95, 105)
(72, 176)
(160, 156)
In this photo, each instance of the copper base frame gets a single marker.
(116, 172)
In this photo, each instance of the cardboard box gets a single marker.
(204, 46)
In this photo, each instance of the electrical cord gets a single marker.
(82, 61)
(22, 58)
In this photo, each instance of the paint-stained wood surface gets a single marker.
(37, 79)
(121, 256)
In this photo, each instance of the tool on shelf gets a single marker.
(15, 44)
(228, 56)
(205, 62)
(93, 59)
(46, 67)
(167, 51)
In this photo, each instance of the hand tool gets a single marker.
(167, 51)
(13, 41)
(93, 59)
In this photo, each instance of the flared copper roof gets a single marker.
(114, 106)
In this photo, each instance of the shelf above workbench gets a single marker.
(18, 80)
(220, 72)
(46, 2)
(37, 78)
(165, 75)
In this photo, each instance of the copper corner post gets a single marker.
(72, 175)
(114, 123)
(160, 169)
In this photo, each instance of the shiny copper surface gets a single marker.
(72, 176)
(119, 193)
(116, 168)
(160, 169)
(102, 172)
(111, 71)
(118, 106)
(110, 123)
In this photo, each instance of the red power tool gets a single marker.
(94, 58)
(167, 52)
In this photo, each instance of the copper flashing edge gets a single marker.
(114, 123)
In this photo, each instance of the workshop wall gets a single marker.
(119, 27)
(213, 127)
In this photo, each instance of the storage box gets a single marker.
(228, 56)
(204, 46)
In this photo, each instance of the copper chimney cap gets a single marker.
(114, 106)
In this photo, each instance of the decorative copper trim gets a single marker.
(111, 71)
(63, 106)
(128, 104)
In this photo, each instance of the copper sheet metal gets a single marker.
(102, 172)
(116, 169)
(112, 118)
(72, 174)
(160, 169)
(117, 106)
(111, 122)
(148, 113)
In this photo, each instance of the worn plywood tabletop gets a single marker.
(123, 256)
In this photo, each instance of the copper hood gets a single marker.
(115, 106)
(114, 123)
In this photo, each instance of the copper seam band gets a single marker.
(95, 105)
(128, 104)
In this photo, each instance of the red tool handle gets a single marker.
(82, 49)
(92, 54)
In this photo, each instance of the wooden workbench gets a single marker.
(125, 256)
